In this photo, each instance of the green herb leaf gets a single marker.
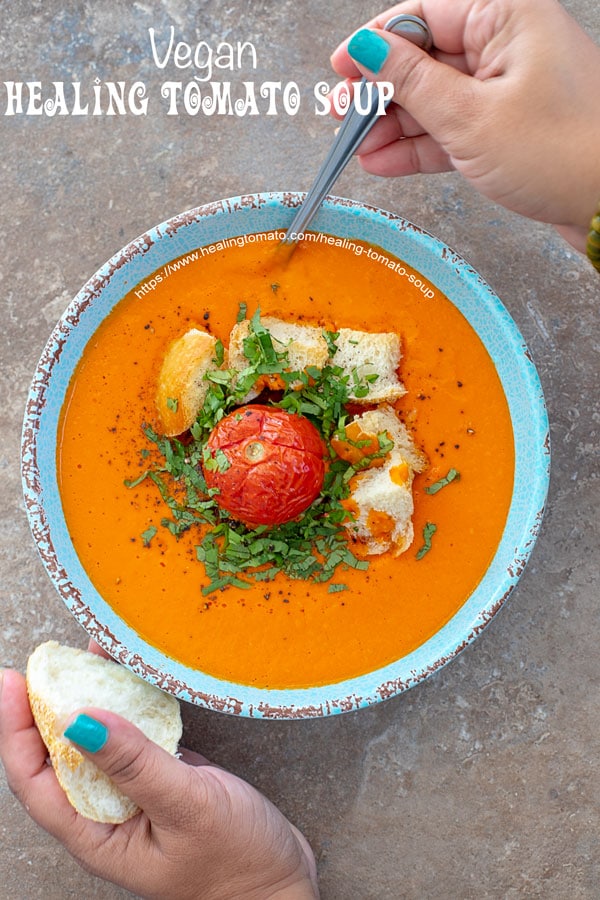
(172, 403)
(217, 462)
(132, 483)
(219, 352)
(428, 531)
(148, 534)
(452, 475)
(314, 546)
(331, 338)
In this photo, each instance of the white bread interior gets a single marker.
(61, 680)
(370, 353)
(381, 498)
(304, 344)
(181, 386)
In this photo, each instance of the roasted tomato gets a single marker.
(268, 464)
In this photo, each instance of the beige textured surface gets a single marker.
(483, 782)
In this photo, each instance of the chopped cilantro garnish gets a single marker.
(172, 403)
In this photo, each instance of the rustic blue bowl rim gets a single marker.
(251, 214)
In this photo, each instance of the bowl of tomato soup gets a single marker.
(283, 646)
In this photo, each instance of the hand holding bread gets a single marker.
(200, 831)
(62, 679)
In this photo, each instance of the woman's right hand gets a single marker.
(508, 98)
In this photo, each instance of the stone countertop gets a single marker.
(484, 781)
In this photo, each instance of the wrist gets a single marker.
(574, 235)
(577, 185)
(585, 239)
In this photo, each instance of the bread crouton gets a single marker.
(181, 385)
(304, 344)
(61, 680)
(381, 500)
(361, 354)
(385, 419)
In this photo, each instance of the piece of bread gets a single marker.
(381, 498)
(304, 344)
(362, 353)
(385, 418)
(61, 680)
(182, 387)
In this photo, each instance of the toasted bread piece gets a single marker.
(381, 497)
(181, 385)
(362, 353)
(304, 344)
(385, 418)
(61, 680)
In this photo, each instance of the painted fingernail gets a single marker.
(87, 733)
(369, 49)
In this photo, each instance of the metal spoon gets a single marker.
(353, 129)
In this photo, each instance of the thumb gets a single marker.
(437, 95)
(150, 776)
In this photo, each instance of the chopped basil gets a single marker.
(331, 338)
(148, 534)
(219, 353)
(452, 475)
(428, 531)
(313, 547)
(133, 482)
(215, 463)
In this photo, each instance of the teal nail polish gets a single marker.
(87, 733)
(369, 49)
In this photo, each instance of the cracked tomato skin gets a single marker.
(277, 464)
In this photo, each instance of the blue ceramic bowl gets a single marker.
(207, 225)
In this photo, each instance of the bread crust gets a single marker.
(181, 386)
(381, 499)
(61, 680)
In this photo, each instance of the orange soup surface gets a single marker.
(286, 633)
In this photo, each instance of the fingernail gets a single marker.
(87, 733)
(369, 49)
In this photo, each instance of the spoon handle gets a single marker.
(355, 126)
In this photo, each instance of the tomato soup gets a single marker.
(286, 633)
